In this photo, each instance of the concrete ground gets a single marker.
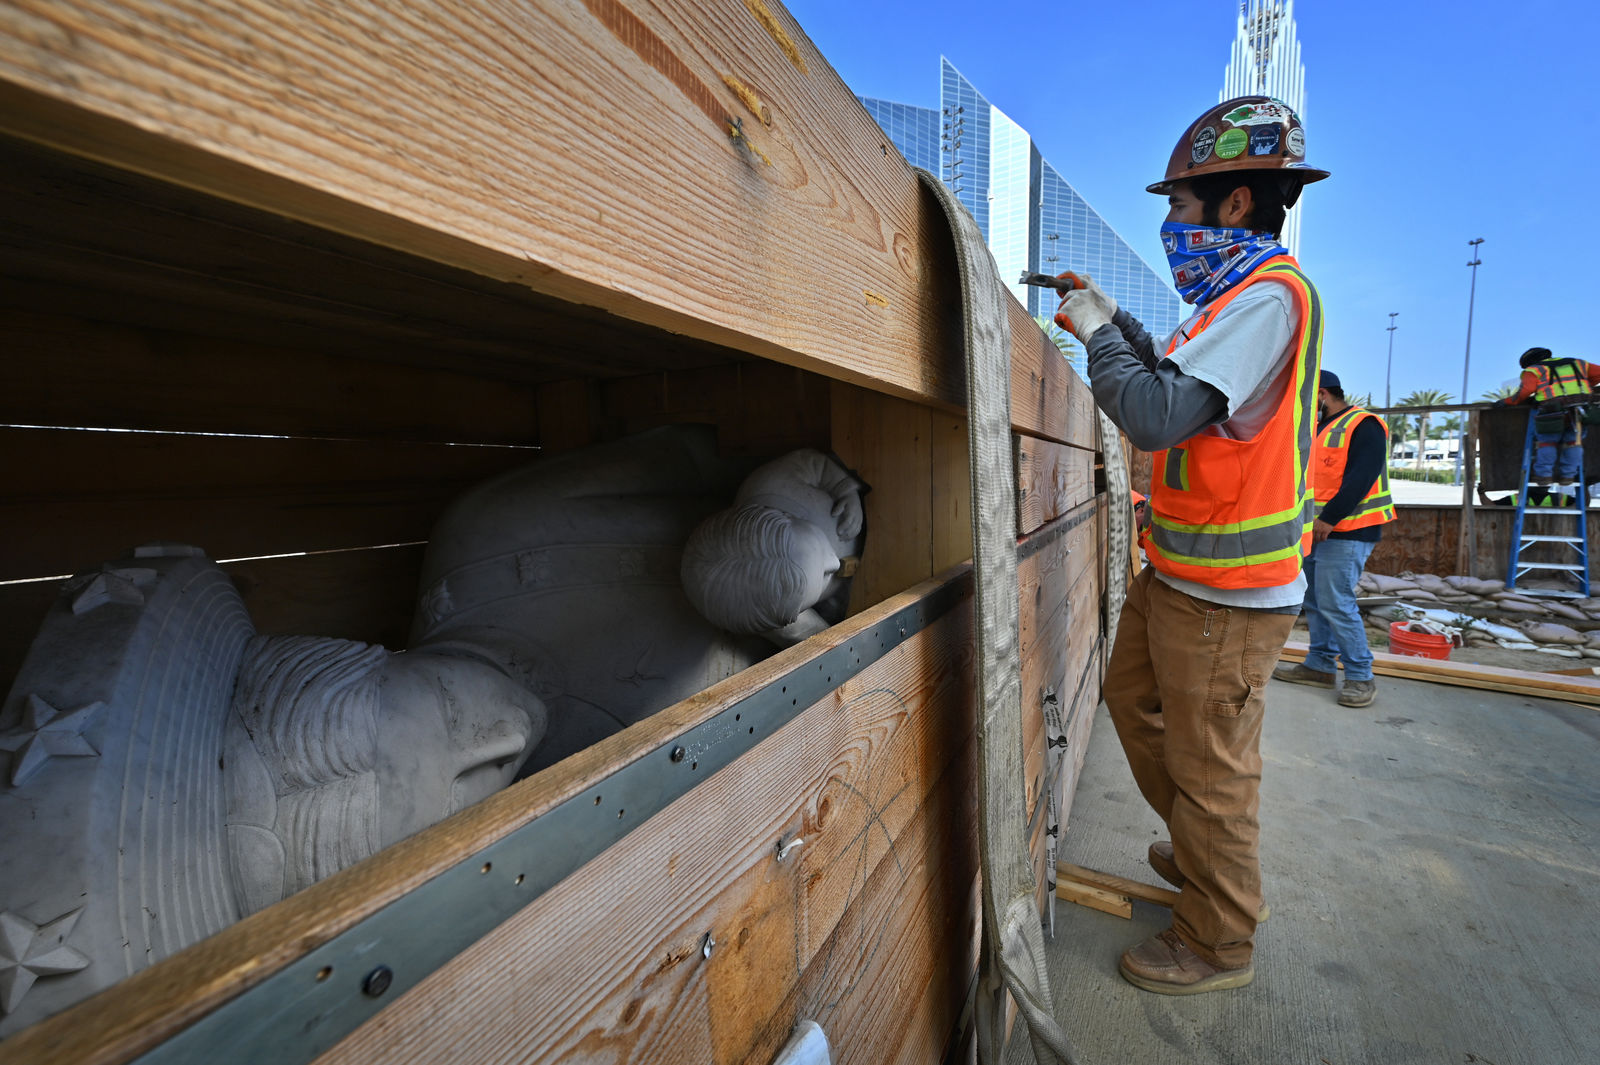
(1433, 867)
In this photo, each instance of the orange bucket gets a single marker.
(1402, 641)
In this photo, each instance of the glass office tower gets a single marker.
(1033, 219)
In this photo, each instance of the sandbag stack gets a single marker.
(1486, 612)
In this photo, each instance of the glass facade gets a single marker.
(1032, 218)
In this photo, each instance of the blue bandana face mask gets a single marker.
(1206, 261)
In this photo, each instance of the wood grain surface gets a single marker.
(1051, 480)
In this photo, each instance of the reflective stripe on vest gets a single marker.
(1238, 513)
(1559, 377)
(1333, 451)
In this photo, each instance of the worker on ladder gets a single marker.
(1561, 384)
(1226, 403)
(1350, 472)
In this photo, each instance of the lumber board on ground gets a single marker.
(73, 498)
(468, 143)
(1469, 675)
(1121, 885)
(1096, 898)
(846, 773)
(1051, 479)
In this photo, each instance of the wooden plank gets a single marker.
(744, 204)
(1051, 479)
(1058, 620)
(63, 370)
(872, 779)
(888, 442)
(151, 1005)
(760, 408)
(1467, 542)
(1095, 898)
(90, 241)
(73, 499)
(952, 491)
(1469, 675)
(1121, 885)
(1048, 398)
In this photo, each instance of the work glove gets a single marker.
(1085, 309)
(1501, 402)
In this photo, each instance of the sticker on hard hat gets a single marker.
(1232, 143)
(1258, 114)
(1295, 142)
(1264, 140)
(1200, 151)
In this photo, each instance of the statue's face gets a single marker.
(451, 731)
(813, 553)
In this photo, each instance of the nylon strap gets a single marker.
(1119, 524)
(1012, 958)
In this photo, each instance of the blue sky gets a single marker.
(1440, 122)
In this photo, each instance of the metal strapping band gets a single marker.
(295, 1014)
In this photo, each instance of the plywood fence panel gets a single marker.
(1051, 480)
(871, 914)
(74, 499)
(471, 143)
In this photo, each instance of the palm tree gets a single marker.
(1451, 426)
(1064, 341)
(1503, 392)
(1429, 397)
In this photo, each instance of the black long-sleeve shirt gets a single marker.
(1368, 451)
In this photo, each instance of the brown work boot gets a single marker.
(1165, 965)
(1299, 674)
(1358, 692)
(1166, 867)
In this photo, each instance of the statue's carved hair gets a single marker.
(739, 570)
(310, 706)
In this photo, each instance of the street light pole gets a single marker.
(1389, 373)
(1466, 362)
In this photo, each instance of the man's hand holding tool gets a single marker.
(1084, 307)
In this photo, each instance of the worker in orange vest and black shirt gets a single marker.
(1226, 404)
(1350, 475)
(1549, 380)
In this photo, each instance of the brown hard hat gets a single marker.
(1245, 133)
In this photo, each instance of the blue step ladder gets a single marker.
(1517, 568)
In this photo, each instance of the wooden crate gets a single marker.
(318, 267)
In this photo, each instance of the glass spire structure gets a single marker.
(1265, 61)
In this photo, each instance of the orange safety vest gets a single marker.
(1238, 513)
(1559, 377)
(1333, 451)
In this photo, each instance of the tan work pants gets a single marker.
(1186, 687)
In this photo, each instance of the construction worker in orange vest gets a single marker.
(1350, 476)
(1226, 405)
(1547, 380)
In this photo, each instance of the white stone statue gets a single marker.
(165, 771)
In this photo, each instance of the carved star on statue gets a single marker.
(47, 733)
(113, 584)
(29, 951)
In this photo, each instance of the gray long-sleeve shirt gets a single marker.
(1227, 379)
